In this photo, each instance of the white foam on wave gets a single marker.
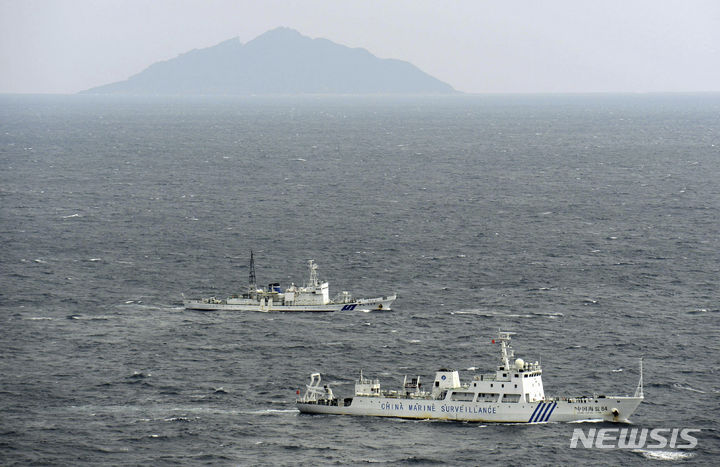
(178, 419)
(493, 314)
(272, 411)
(688, 388)
(550, 314)
(665, 455)
(90, 318)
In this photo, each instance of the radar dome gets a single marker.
(519, 363)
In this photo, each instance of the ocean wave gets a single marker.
(281, 402)
(504, 314)
(673, 456)
(140, 305)
(139, 375)
(486, 314)
(688, 388)
(271, 411)
(110, 450)
(549, 314)
(89, 318)
(700, 311)
(421, 460)
(178, 419)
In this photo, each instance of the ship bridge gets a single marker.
(515, 380)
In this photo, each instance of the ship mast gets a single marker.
(252, 286)
(639, 389)
(314, 282)
(506, 352)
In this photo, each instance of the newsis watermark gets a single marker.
(634, 438)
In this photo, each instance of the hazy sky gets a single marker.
(478, 46)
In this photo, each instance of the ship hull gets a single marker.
(373, 304)
(560, 410)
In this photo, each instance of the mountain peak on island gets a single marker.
(280, 61)
(280, 33)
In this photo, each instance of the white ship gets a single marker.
(512, 394)
(313, 296)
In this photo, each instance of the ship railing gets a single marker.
(393, 394)
(576, 399)
(344, 297)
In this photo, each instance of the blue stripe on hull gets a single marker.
(547, 417)
(537, 409)
(541, 418)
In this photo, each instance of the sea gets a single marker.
(589, 225)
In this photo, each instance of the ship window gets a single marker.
(504, 375)
(491, 385)
(437, 383)
(516, 385)
(502, 385)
